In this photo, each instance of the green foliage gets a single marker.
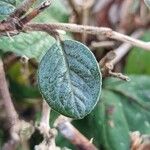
(65, 148)
(20, 87)
(6, 7)
(111, 123)
(35, 44)
(62, 142)
(32, 45)
(56, 12)
(125, 107)
(135, 97)
(72, 82)
(13, 2)
(137, 60)
(1, 137)
(69, 79)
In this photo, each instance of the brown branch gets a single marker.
(17, 127)
(68, 27)
(113, 57)
(139, 141)
(85, 9)
(73, 135)
(123, 49)
(106, 32)
(74, 7)
(35, 12)
(14, 24)
(12, 115)
(9, 107)
(9, 26)
(22, 9)
(44, 123)
(103, 44)
(49, 134)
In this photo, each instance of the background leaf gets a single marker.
(137, 60)
(124, 107)
(20, 87)
(56, 12)
(111, 123)
(35, 44)
(69, 79)
(135, 97)
(32, 45)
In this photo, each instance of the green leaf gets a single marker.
(124, 108)
(65, 148)
(137, 60)
(135, 96)
(111, 123)
(32, 45)
(35, 44)
(13, 2)
(19, 86)
(6, 7)
(69, 79)
(56, 12)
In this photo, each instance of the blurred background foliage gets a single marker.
(124, 107)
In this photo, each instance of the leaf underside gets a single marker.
(70, 79)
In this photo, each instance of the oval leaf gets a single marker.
(69, 79)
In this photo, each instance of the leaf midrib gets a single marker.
(69, 74)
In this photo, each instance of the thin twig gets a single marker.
(35, 12)
(122, 50)
(17, 127)
(22, 9)
(85, 9)
(9, 107)
(14, 24)
(45, 114)
(113, 57)
(74, 6)
(106, 32)
(12, 115)
(49, 134)
(103, 44)
(139, 141)
(73, 135)
(68, 27)
(44, 124)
